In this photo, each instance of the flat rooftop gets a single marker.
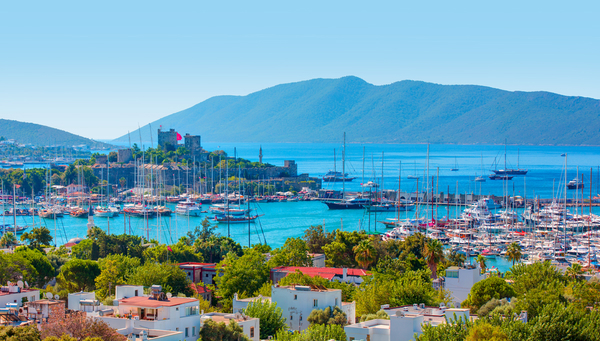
(146, 302)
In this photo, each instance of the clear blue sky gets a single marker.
(98, 68)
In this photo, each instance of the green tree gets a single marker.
(271, 317)
(315, 238)
(245, 274)
(44, 271)
(213, 331)
(38, 237)
(380, 315)
(15, 267)
(575, 271)
(481, 260)
(8, 239)
(108, 279)
(83, 249)
(328, 316)
(315, 332)
(485, 331)
(364, 253)
(79, 275)
(340, 252)
(169, 276)
(24, 333)
(113, 157)
(434, 254)
(293, 253)
(485, 290)
(513, 252)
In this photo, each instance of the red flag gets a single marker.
(178, 137)
(169, 248)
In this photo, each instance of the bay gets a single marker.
(290, 219)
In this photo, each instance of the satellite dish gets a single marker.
(56, 297)
(49, 295)
(20, 284)
(169, 295)
(399, 313)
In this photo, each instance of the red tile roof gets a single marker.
(70, 244)
(328, 273)
(198, 264)
(142, 301)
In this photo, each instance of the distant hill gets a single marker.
(319, 110)
(39, 135)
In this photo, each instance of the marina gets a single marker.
(469, 216)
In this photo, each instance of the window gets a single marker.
(295, 297)
(336, 301)
(136, 293)
(251, 331)
(193, 331)
(315, 303)
(291, 317)
(187, 332)
(451, 273)
(191, 311)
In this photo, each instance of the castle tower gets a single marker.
(260, 155)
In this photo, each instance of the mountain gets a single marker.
(36, 134)
(319, 110)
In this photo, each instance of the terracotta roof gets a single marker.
(70, 244)
(328, 273)
(142, 301)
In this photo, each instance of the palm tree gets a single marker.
(513, 252)
(575, 271)
(433, 253)
(481, 260)
(8, 239)
(364, 253)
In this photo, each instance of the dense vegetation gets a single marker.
(559, 305)
(319, 110)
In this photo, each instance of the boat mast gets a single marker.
(398, 195)
(344, 169)
(362, 187)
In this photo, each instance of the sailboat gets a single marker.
(455, 169)
(345, 204)
(480, 178)
(415, 176)
(335, 176)
(509, 171)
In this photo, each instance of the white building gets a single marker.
(240, 304)
(297, 302)
(12, 293)
(404, 322)
(250, 325)
(459, 281)
(83, 301)
(158, 312)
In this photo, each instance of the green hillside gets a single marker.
(39, 135)
(319, 110)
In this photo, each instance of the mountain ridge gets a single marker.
(41, 135)
(407, 111)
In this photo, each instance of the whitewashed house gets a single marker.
(157, 312)
(404, 322)
(297, 302)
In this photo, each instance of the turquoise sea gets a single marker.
(290, 219)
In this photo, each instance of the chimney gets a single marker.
(345, 274)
